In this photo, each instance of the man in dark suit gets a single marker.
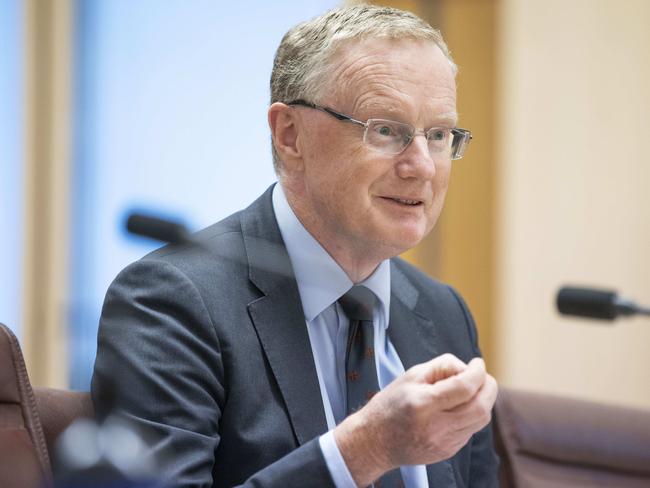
(292, 348)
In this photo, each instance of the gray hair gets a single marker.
(302, 62)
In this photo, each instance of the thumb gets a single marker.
(442, 367)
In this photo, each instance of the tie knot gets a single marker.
(358, 303)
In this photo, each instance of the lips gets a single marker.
(404, 201)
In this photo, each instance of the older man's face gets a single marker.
(356, 196)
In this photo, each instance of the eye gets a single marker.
(437, 135)
(385, 130)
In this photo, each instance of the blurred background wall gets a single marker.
(11, 158)
(574, 205)
(114, 105)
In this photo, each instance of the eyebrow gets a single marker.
(447, 119)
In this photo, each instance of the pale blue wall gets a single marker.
(171, 102)
(11, 176)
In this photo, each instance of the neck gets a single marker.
(358, 266)
(358, 263)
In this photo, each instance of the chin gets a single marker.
(391, 237)
(400, 241)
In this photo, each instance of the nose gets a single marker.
(416, 161)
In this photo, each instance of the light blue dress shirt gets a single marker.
(321, 282)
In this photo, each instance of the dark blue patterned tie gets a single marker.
(361, 372)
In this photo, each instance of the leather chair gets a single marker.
(30, 419)
(556, 442)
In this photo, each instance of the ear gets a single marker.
(284, 132)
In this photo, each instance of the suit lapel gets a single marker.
(414, 337)
(412, 334)
(279, 320)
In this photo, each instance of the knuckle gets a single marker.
(449, 360)
(414, 371)
(414, 403)
(462, 386)
(490, 396)
(442, 397)
(482, 407)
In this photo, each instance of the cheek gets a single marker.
(439, 188)
(329, 152)
(344, 170)
(441, 180)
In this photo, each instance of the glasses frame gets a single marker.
(460, 137)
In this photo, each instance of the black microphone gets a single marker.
(596, 304)
(270, 256)
(159, 229)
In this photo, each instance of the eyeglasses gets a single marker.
(390, 137)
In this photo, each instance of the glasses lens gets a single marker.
(388, 136)
(460, 142)
(392, 137)
(439, 140)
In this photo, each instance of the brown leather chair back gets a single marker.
(30, 420)
(24, 459)
(57, 409)
(555, 442)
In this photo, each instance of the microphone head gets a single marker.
(585, 302)
(157, 228)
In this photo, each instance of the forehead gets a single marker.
(402, 79)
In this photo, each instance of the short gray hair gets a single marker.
(302, 61)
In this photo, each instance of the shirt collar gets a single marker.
(321, 281)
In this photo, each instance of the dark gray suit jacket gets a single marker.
(208, 348)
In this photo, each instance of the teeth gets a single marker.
(407, 202)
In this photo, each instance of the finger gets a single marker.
(478, 411)
(477, 424)
(487, 394)
(477, 362)
(441, 367)
(459, 388)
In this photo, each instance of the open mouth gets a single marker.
(404, 201)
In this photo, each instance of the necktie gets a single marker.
(361, 373)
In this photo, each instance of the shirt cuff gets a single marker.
(335, 462)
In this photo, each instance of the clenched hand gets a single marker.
(425, 416)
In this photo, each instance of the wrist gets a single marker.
(362, 448)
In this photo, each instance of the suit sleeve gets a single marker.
(159, 358)
(484, 462)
